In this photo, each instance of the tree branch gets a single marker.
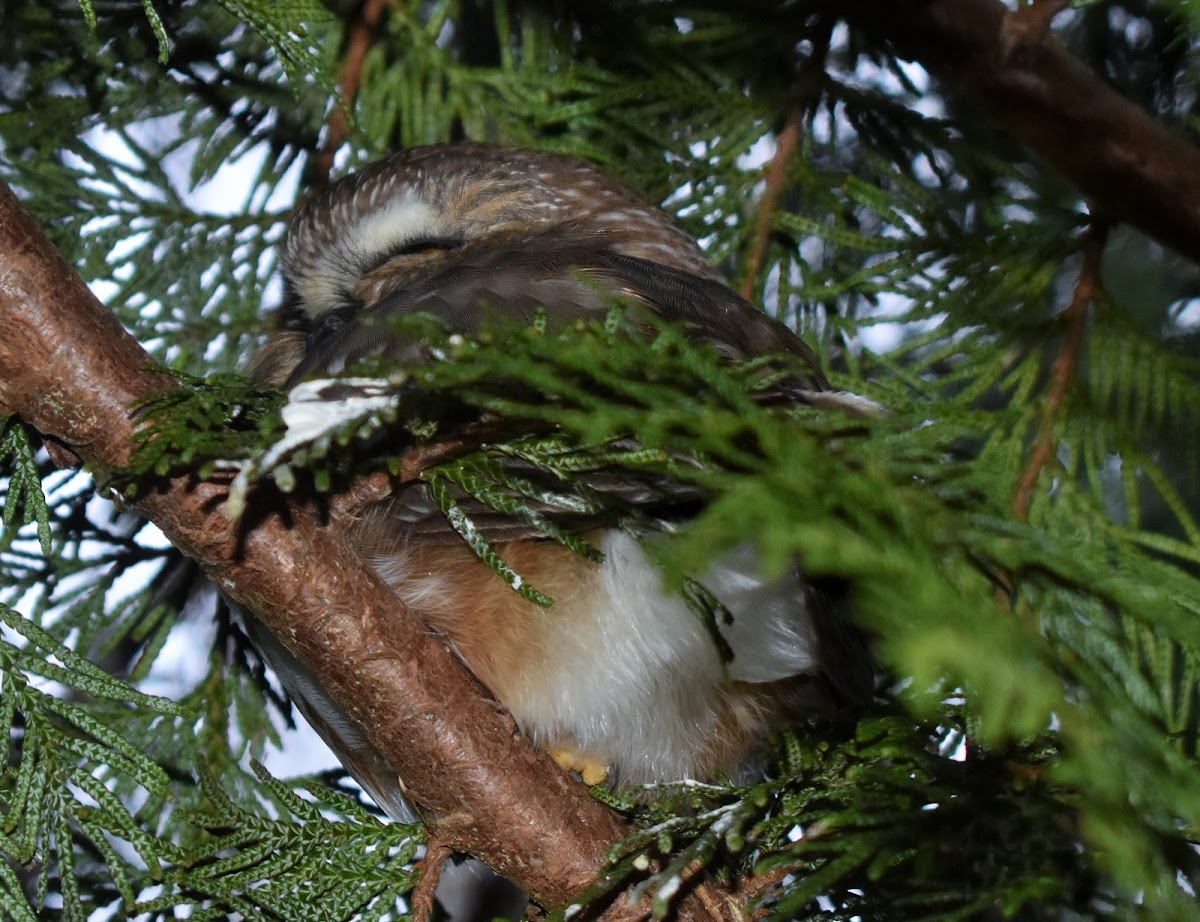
(1130, 165)
(68, 368)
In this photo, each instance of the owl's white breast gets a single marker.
(618, 670)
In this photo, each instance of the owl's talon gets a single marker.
(590, 770)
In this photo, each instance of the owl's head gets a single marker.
(399, 219)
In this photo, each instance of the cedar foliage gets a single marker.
(1032, 751)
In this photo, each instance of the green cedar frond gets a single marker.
(321, 856)
(286, 26)
(480, 545)
(222, 417)
(24, 497)
(53, 741)
(88, 8)
(838, 820)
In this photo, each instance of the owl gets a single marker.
(619, 679)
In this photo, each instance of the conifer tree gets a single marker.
(985, 219)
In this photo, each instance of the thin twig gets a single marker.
(1063, 371)
(786, 143)
(372, 489)
(436, 855)
(751, 889)
(721, 905)
(362, 35)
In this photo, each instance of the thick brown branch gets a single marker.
(70, 370)
(1126, 162)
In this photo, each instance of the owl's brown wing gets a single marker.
(564, 283)
(541, 276)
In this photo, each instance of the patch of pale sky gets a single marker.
(1184, 317)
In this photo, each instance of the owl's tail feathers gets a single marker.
(468, 890)
(339, 732)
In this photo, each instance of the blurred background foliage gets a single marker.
(1032, 751)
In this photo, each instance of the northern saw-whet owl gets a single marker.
(619, 678)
